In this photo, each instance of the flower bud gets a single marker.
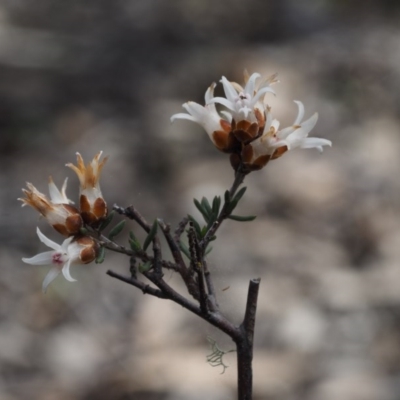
(63, 217)
(93, 207)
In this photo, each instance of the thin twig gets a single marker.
(213, 303)
(134, 214)
(239, 177)
(146, 289)
(177, 255)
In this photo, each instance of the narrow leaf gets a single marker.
(216, 206)
(116, 230)
(208, 250)
(145, 267)
(227, 196)
(242, 219)
(202, 210)
(206, 205)
(101, 256)
(135, 245)
(107, 221)
(240, 194)
(151, 235)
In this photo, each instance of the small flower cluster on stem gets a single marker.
(246, 131)
(68, 220)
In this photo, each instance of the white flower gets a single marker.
(62, 256)
(92, 205)
(63, 217)
(275, 142)
(245, 103)
(206, 116)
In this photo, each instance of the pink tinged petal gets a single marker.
(249, 88)
(45, 258)
(317, 143)
(229, 90)
(66, 273)
(49, 243)
(300, 113)
(51, 275)
(260, 93)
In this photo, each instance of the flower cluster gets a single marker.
(68, 220)
(247, 130)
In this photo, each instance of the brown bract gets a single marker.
(90, 249)
(64, 218)
(92, 213)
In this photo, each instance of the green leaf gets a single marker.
(116, 230)
(184, 250)
(234, 202)
(227, 196)
(151, 235)
(145, 267)
(216, 206)
(202, 210)
(242, 219)
(196, 226)
(132, 235)
(208, 250)
(206, 205)
(240, 194)
(107, 221)
(135, 245)
(101, 256)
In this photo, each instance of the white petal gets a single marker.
(55, 195)
(300, 113)
(225, 102)
(310, 143)
(65, 271)
(284, 133)
(209, 93)
(229, 90)
(51, 275)
(65, 244)
(260, 93)
(310, 123)
(45, 258)
(227, 115)
(195, 109)
(251, 83)
(49, 243)
(183, 116)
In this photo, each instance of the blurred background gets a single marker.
(107, 75)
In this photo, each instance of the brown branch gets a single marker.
(213, 303)
(133, 214)
(146, 289)
(245, 344)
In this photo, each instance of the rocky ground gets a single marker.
(326, 242)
